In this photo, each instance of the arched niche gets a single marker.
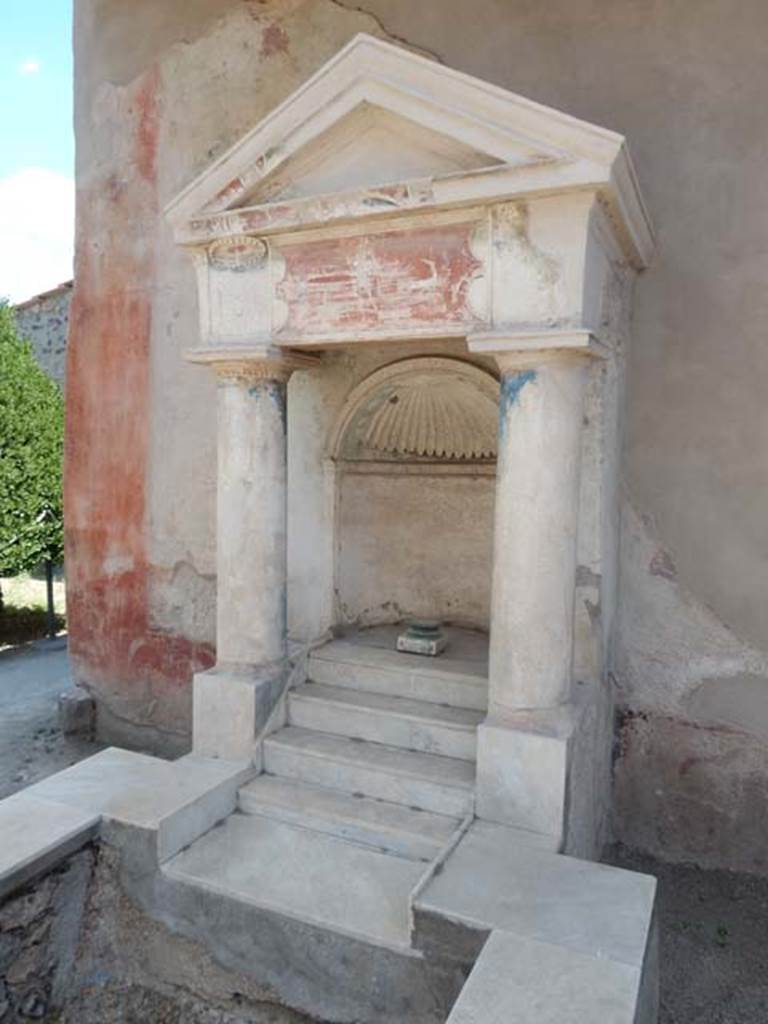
(415, 456)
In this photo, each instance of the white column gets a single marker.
(524, 746)
(231, 702)
(251, 516)
(536, 519)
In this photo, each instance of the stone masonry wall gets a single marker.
(162, 89)
(44, 320)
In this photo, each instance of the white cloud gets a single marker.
(29, 67)
(37, 227)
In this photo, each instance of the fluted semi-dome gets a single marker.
(440, 411)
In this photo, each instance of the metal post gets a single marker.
(51, 613)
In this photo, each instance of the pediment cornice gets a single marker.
(380, 132)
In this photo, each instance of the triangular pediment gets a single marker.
(367, 148)
(377, 114)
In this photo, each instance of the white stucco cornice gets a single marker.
(528, 348)
(459, 141)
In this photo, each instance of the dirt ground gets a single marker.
(31, 743)
(714, 942)
(713, 924)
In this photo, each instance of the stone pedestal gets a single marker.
(523, 762)
(229, 709)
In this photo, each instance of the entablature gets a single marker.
(393, 198)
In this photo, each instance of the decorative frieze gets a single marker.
(249, 371)
(424, 280)
(238, 253)
(245, 364)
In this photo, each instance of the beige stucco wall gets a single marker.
(412, 546)
(684, 82)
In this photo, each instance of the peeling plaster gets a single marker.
(274, 40)
(691, 767)
(739, 702)
(586, 577)
(662, 564)
(183, 600)
(668, 641)
(537, 295)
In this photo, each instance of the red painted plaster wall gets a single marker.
(112, 643)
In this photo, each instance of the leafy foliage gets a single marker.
(31, 449)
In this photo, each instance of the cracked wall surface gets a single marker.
(162, 89)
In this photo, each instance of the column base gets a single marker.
(230, 708)
(522, 769)
(547, 770)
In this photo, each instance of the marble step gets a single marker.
(307, 876)
(396, 721)
(443, 785)
(442, 680)
(392, 828)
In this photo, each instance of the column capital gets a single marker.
(249, 363)
(522, 350)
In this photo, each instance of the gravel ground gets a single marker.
(714, 942)
(31, 743)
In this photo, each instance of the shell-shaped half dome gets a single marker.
(440, 418)
(427, 409)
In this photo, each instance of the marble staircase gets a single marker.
(366, 739)
(371, 776)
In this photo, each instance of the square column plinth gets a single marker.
(522, 769)
(230, 707)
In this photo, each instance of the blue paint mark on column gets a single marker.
(511, 386)
(274, 390)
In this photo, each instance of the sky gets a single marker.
(36, 146)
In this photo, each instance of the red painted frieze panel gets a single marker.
(377, 283)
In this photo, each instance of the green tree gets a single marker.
(31, 450)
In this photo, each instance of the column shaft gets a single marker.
(537, 497)
(251, 528)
